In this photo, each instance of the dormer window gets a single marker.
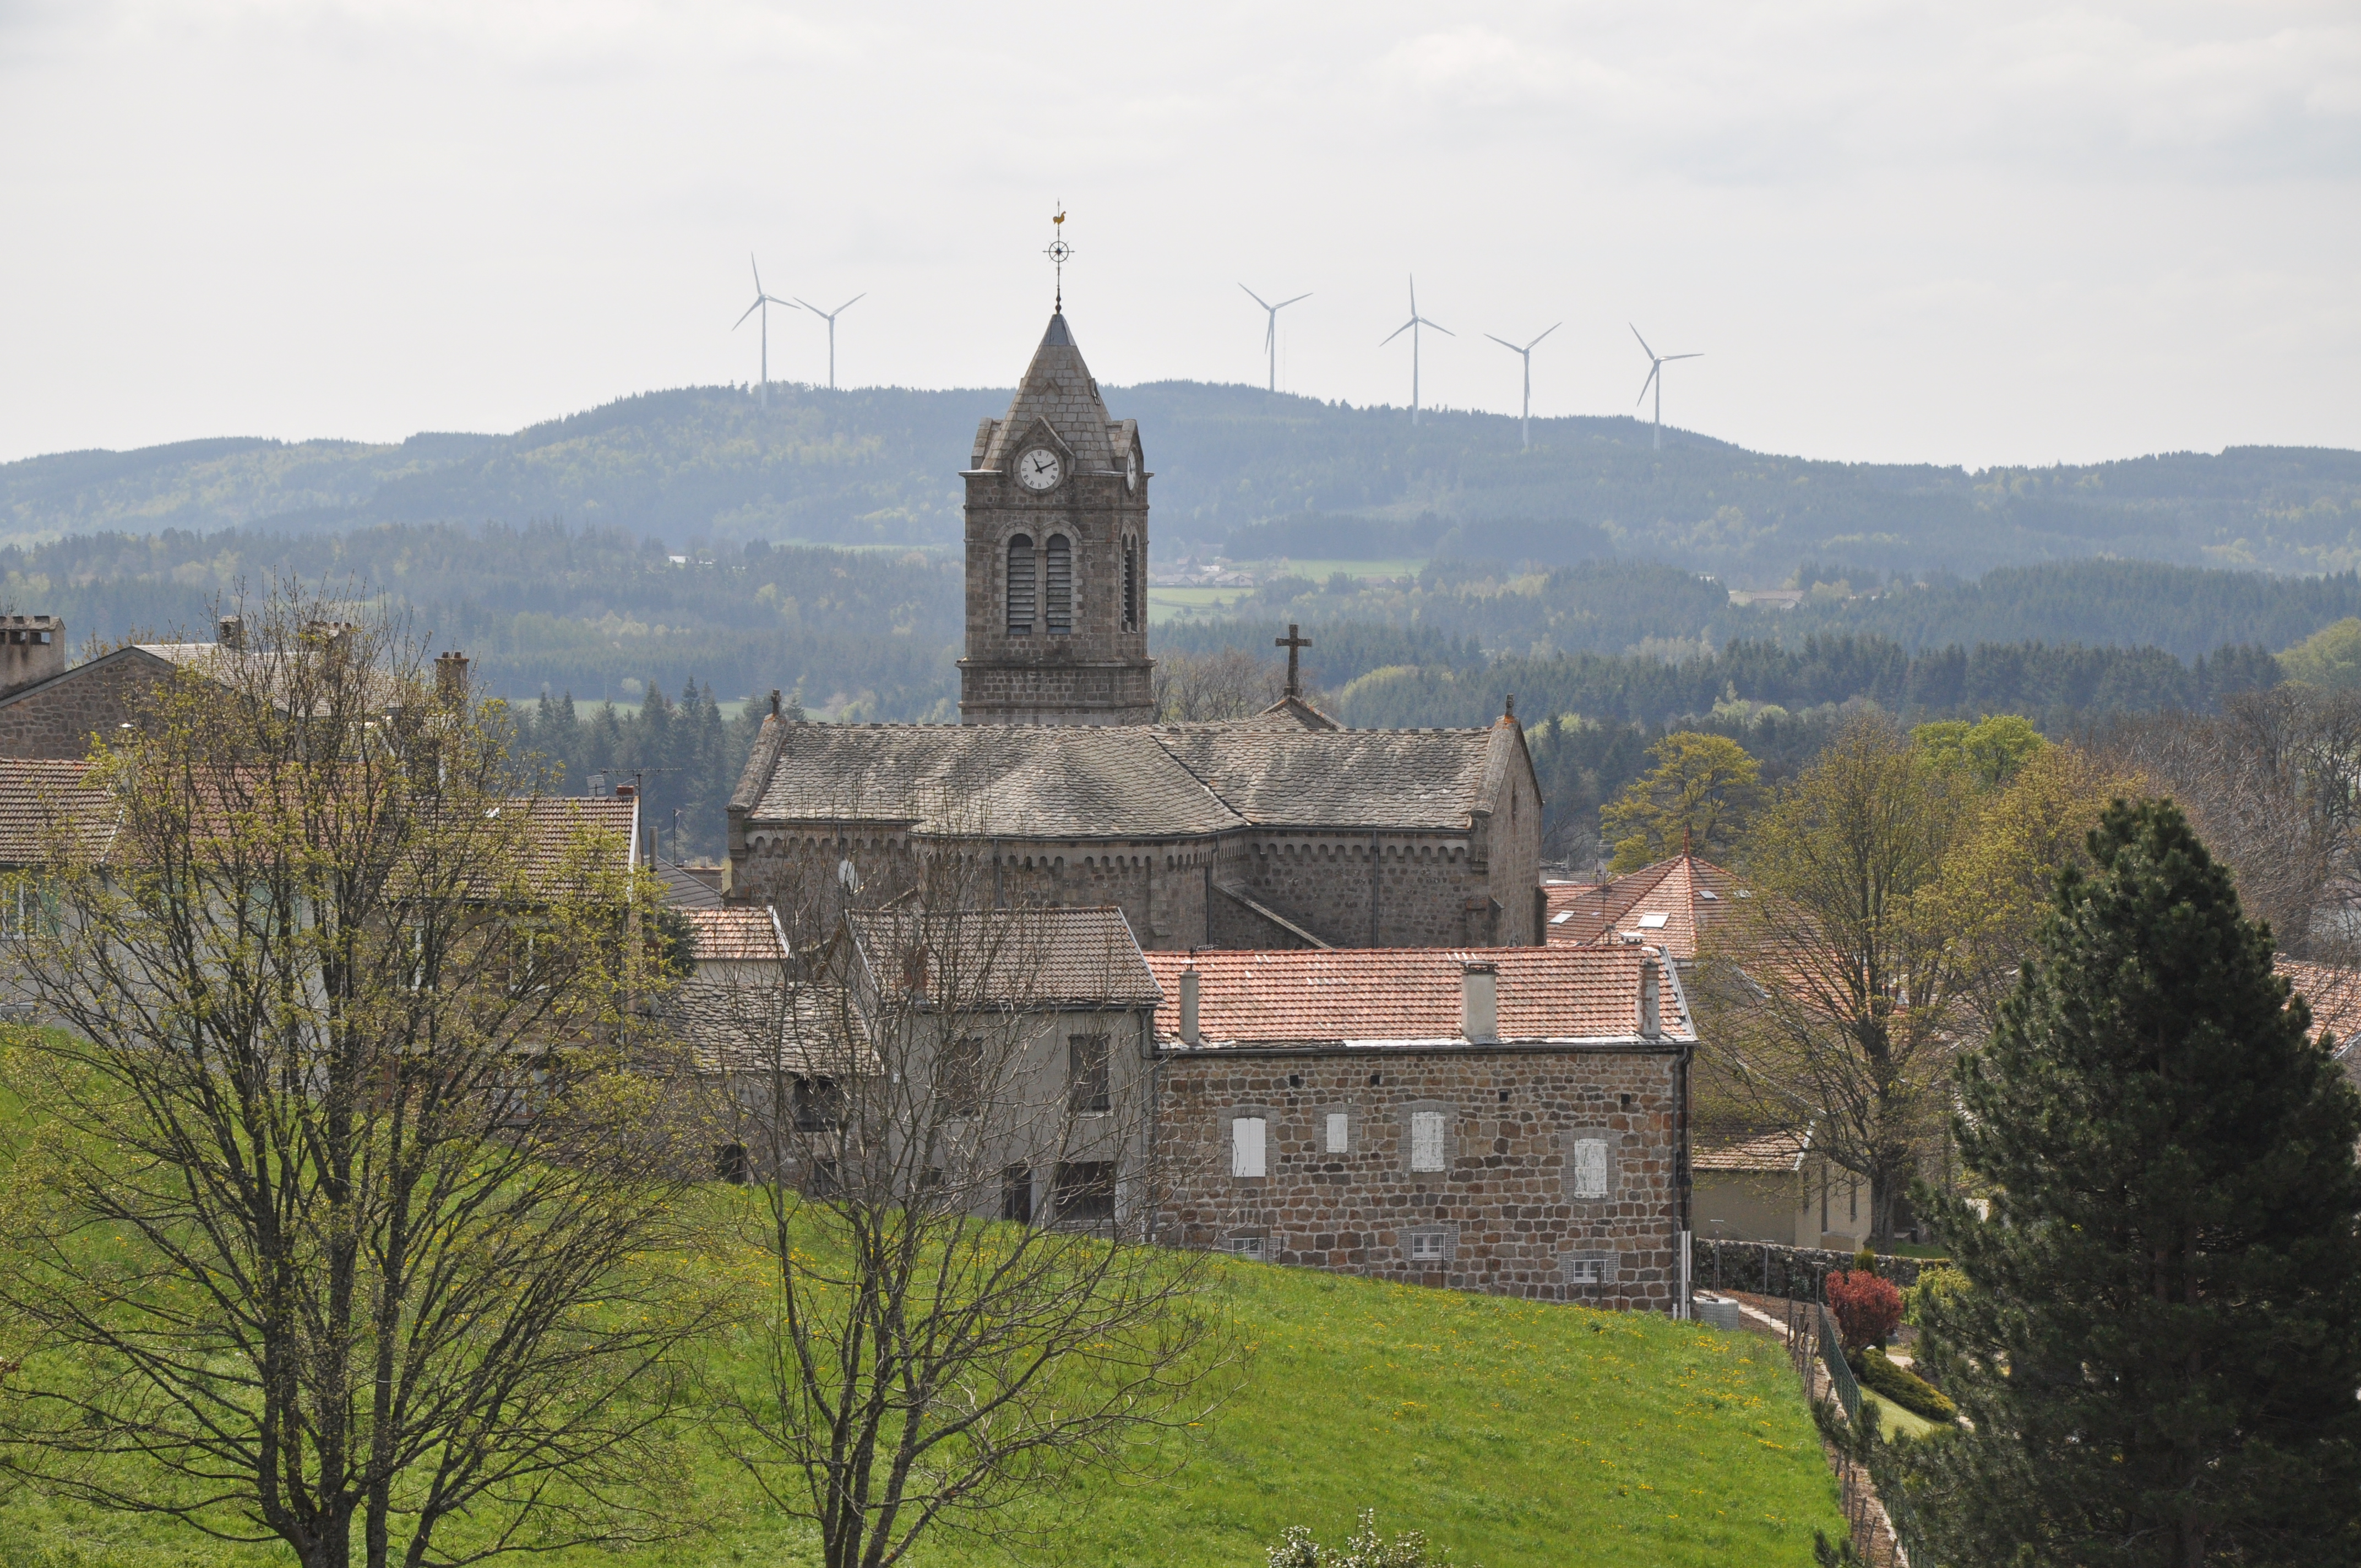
(1020, 585)
(1059, 579)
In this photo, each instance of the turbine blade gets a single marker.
(782, 305)
(1651, 381)
(1643, 344)
(1443, 330)
(1398, 332)
(1554, 326)
(1258, 299)
(1504, 343)
(1284, 303)
(758, 271)
(1414, 294)
(848, 304)
(1670, 358)
(750, 311)
(1270, 332)
(810, 306)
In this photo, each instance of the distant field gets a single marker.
(1321, 571)
(1519, 1435)
(1184, 604)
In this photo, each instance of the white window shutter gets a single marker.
(1246, 1146)
(1590, 1167)
(1426, 1140)
(1340, 1132)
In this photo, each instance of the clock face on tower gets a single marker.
(1039, 469)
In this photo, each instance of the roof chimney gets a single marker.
(625, 791)
(1480, 1003)
(451, 678)
(1652, 1007)
(230, 631)
(1189, 1032)
(775, 702)
(32, 648)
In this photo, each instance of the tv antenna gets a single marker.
(1526, 354)
(1656, 363)
(829, 317)
(762, 302)
(1411, 326)
(1270, 332)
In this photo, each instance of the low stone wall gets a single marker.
(1768, 1269)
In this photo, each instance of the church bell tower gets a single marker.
(1056, 556)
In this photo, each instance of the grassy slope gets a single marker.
(1506, 1431)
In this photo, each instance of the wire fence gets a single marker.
(1816, 1353)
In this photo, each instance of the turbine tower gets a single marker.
(1526, 354)
(761, 301)
(1270, 332)
(829, 317)
(1656, 363)
(1411, 326)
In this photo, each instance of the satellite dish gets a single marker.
(848, 876)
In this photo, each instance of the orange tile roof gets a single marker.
(1409, 995)
(1669, 904)
(735, 934)
(2334, 993)
(33, 792)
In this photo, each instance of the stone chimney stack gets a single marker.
(231, 632)
(1479, 1003)
(451, 678)
(1651, 1005)
(1189, 1031)
(32, 649)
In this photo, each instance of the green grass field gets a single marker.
(1507, 1432)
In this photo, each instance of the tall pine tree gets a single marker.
(2159, 1341)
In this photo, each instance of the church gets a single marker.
(1279, 830)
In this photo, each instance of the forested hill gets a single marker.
(1235, 467)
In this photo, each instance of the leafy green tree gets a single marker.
(1989, 752)
(1696, 797)
(2329, 657)
(2160, 1337)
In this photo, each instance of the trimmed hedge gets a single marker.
(1902, 1385)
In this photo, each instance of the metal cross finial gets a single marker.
(1294, 644)
(1058, 252)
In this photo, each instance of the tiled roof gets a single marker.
(1764, 1153)
(1669, 904)
(1410, 995)
(2334, 993)
(556, 818)
(683, 891)
(762, 1027)
(1121, 781)
(1057, 388)
(1019, 957)
(33, 793)
(736, 934)
(1005, 781)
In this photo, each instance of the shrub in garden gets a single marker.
(1905, 1387)
(1297, 1549)
(1867, 1308)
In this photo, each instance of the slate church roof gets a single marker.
(1058, 389)
(1124, 782)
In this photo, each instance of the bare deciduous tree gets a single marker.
(337, 1195)
(1210, 687)
(948, 1119)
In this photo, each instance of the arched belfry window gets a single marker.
(1131, 585)
(1058, 575)
(1020, 585)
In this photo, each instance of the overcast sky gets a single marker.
(1969, 233)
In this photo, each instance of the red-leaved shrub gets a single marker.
(1867, 1308)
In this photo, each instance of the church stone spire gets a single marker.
(1057, 555)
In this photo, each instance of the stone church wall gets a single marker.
(1056, 691)
(1432, 891)
(56, 720)
(1503, 1207)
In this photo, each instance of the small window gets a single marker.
(1426, 1140)
(1585, 1268)
(1086, 1056)
(1017, 1194)
(1562, 916)
(960, 1083)
(729, 1163)
(1590, 1167)
(819, 1105)
(1340, 1132)
(1247, 1247)
(1246, 1136)
(1020, 585)
(1131, 585)
(1057, 579)
(1652, 921)
(1085, 1191)
(1428, 1246)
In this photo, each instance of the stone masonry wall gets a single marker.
(57, 719)
(1504, 1207)
(1425, 886)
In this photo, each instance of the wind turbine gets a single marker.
(1656, 363)
(1411, 326)
(1270, 334)
(761, 300)
(1526, 354)
(829, 317)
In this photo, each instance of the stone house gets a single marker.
(1506, 1121)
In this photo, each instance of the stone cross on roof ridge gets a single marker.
(1294, 642)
